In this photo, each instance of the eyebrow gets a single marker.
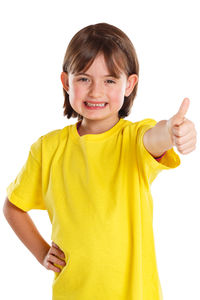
(85, 74)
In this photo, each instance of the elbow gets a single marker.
(9, 209)
(6, 208)
(147, 141)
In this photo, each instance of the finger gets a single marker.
(55, 245)
(51, 266)
(53, 259)
(188, 150)
(183, 109)
(187, 145)
(180, 140)
(57, 252)
(183, 129)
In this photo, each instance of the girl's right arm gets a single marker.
(27, 232)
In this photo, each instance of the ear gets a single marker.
(65, 81)
(131, 82)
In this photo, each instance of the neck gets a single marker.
(96, 126)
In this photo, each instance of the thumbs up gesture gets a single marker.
(182, 130)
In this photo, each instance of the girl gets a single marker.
(94, 177)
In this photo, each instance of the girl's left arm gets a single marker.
(177, 131)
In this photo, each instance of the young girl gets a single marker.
(94, 177)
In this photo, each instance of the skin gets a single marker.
(95, 86)
(177, 131)
(27, 232)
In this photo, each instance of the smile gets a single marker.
(95, 106)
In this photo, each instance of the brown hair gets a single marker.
(117, 49)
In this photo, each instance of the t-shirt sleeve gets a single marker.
(25, 191)
(148, 165)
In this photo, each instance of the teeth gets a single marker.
(91, 104)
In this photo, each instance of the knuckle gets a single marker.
(184, 152)
(55, 245)
(59, 253)
(181, 150)
(55, 251)
(49, 257)
(51, 250)
(178, 141)
(62, 254)
(56, 256)
(60, 262)
(178, 131)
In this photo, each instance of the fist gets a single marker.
(182, 131)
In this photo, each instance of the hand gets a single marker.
(54, 255)
(182, 130)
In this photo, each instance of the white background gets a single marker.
(34, 37)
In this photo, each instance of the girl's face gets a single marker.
(97, 85)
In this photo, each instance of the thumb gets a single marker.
(178, 118)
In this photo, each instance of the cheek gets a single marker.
(117, 95)
(76, 92)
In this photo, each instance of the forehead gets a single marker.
(99, 67)
(99, 63)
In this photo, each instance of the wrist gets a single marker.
(43, 253)
(158, 139)
(169, 127)
(165, 134)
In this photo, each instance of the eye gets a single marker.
(110, 81)
(83, 79)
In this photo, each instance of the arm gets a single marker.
(25, 229)
(157, 140)
(27, 232)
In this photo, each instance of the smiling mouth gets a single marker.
(96, 105)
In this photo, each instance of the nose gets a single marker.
(96, 90)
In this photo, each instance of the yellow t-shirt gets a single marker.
(96, 189)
